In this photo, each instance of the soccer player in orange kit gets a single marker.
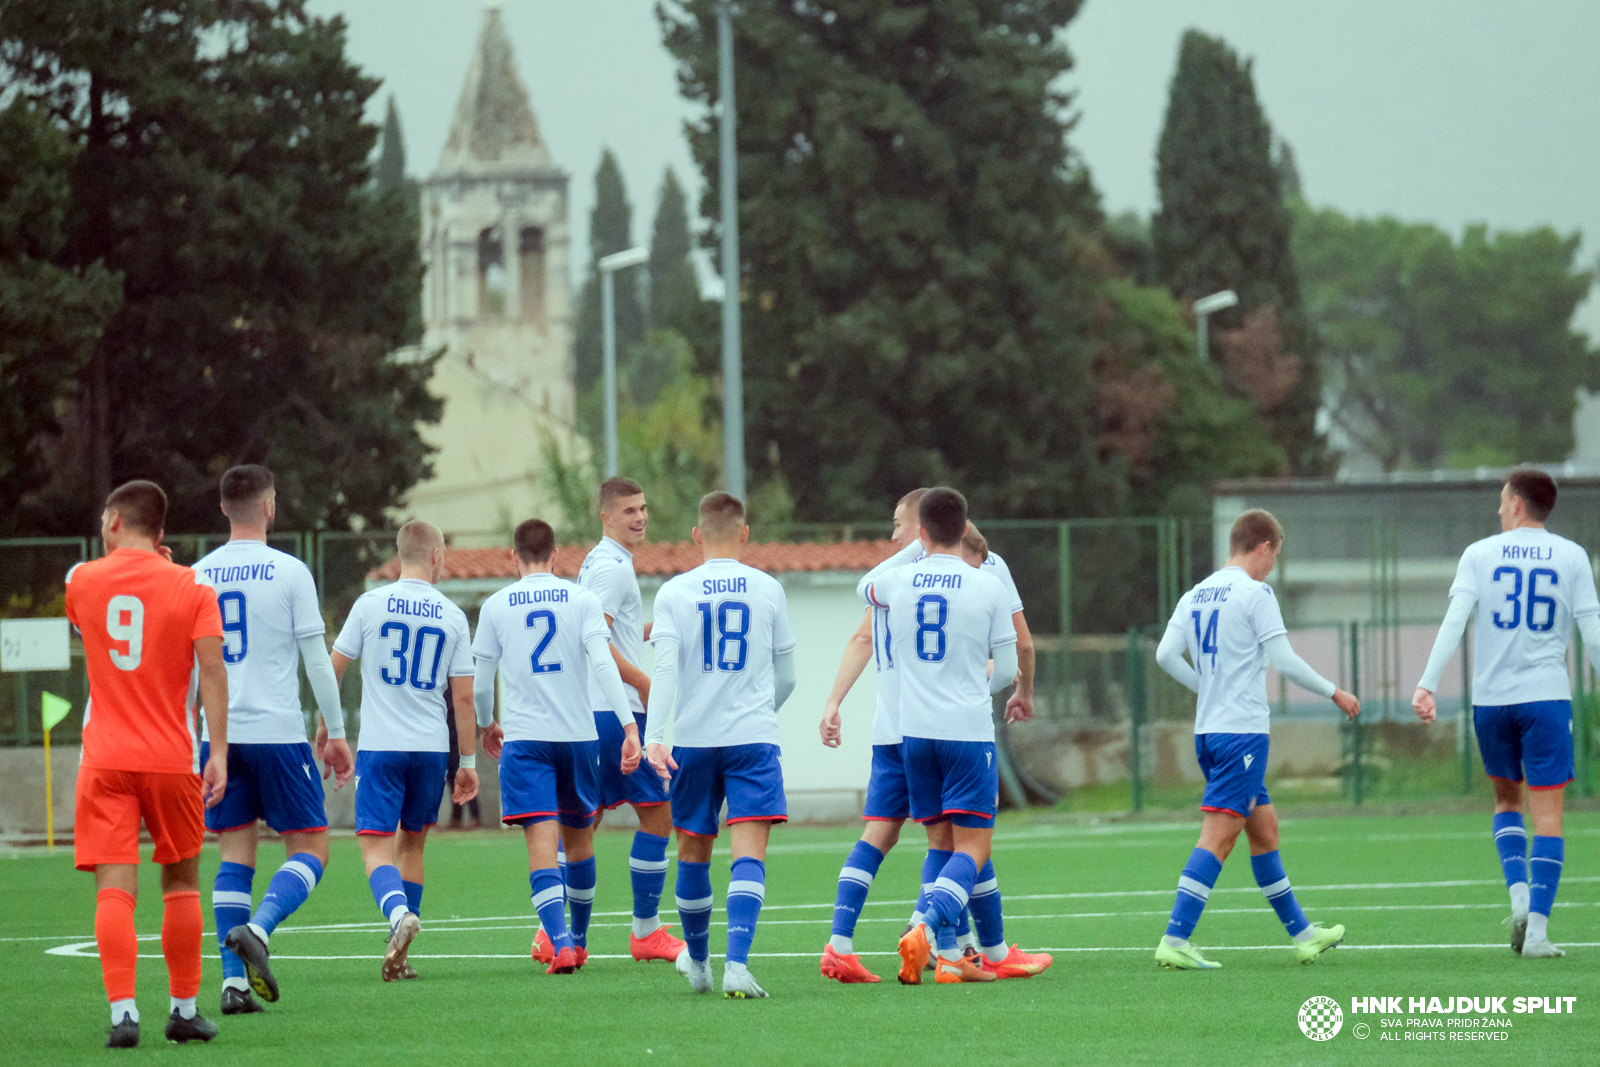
(146, 623)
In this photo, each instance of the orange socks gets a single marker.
(181, 937)
(119, 945)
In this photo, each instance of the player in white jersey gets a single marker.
(547, 638)
(1231, 626)
(1530, 587)
(270, 621)
(412, 642)
(946, 621)
(608, 572)
(725, 658)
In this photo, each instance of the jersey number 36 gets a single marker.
(1511, 619)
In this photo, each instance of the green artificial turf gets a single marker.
(1096, 896)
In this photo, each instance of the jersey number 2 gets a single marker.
(547, 617)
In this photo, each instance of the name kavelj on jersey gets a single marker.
(723, 585)
(255, 572)
(937, 580)
(1527, 552)
(538, 596)
(420, 608)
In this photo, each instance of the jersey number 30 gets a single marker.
(418, 655)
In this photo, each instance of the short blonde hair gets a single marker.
(721, 515)
(1251, 529)
(417, 540)
(974, 542)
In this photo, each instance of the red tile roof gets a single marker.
(664, 560)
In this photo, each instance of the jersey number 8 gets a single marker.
(932, 625)
(1514, 598)
(728, 645)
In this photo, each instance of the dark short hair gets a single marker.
(615, 489)
(720, 514)
(142, 505)
(244, 485)
(943, 513)
(534, 541)
(1251, 529)
(1537, 490)
(910, 500)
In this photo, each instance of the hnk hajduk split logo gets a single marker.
(1321, 1018)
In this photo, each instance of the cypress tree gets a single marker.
(391, 170)
(610, 230)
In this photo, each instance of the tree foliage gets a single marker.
(1223, 223)
(915, 307)
(610, 231)
(1446, 353)
(225, 173)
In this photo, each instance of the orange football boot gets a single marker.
(565, 962)
(543, 950)
(914, 951)
(657, 945)
(1019, 964)
(583, 955)
(959, 970)
(847, 969)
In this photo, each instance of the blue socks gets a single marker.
(288, 890)
(746, 891)
(948, 897)
(1275, 886)
(1545, 873)
(389, 892)
(1194, 888)
(580, 879)
(413, 896)
(694, 907)
(987, 915)
(1511, 841)
(230, 903)
(549, 900)
(932, 864)
(854, 881)
(647, 865)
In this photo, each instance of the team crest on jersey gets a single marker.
(1249, 759)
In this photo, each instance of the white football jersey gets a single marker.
(886, 718)
(1530, 586)
(1225, 621)
(944, 618)
(607, 572)
(268, 602)
(411, 640)
(729, 620)
(537, 629)
(1003, 572)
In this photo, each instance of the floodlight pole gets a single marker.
(609, 265)
(732, 357)
(1203, 309)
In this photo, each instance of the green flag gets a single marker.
(53, 709)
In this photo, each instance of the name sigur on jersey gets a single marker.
(254, 572)
(1215, 594)
(937, 580)
(723, 585)
(421, 608)
(1527, 552)
(538, 596)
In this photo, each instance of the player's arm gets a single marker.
(857, 654)
(1020, 707)
(466, 737)
(906, 555)
(1005, 666)
(1289, 664)
(631, 675)
(1445, 644)
(483, 700)
(214, 698)
(661, 706)
(782, 677)
(332, 749)
(605, 672)
(1169, 655)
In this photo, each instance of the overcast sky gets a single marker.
(1449, 111)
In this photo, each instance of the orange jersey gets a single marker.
(139, 616)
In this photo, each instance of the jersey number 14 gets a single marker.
(1208, 638)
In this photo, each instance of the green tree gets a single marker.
(1444, 353)
(50, 316)
(915, 305)
(610, 230)
(390, 173)
(225, 173)
(1223, 224)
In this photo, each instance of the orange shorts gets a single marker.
(110, 804)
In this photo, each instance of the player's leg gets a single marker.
(380, 800)
(1228, 794)
(696, 805)
(1548, 758)
(988, 918)
(105, 841)
(578, 841)
(234, 822)
(1500, 746)
(968, 788)
(924, 784)
(752, 777)
(542, 832)
(172, 810)
(577, 801)
(647, 866)
(886, 809)
(1311, 940)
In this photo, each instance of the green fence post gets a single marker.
(1133, 671)
(1064, 582)
(1355, 724)
(1466, 716)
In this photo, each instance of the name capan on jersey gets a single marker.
(268, 602)
(729, 620)
(608, 573)
(944, 618)
(1530, 586)
(1225, 620)
(537, 629)
(411, 640)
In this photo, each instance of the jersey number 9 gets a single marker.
(130, 633)
(234, 626)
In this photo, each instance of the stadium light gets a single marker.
(728, 192)
(1203, 308)
(609, 265)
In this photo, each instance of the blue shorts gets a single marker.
(278, 783)
(955, 780)
(1536, 736)
(1235, 766)
(887, 797)
(749, 777)
(643, 787)
(541, 780)
(399, 788)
